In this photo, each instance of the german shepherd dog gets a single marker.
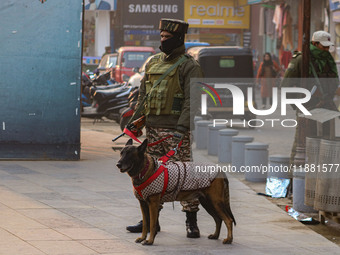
(214, 198)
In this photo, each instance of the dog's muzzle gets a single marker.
(123, 170)
(119, 166)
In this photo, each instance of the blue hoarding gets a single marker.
(40, 62)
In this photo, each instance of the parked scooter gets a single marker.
(108, 102)
(88, 85)
(89, 88)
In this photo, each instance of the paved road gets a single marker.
(56, 207)
(82, 207)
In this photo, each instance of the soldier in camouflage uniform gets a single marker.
(326, 71)
(167, 108)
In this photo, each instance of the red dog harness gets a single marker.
(162, 169)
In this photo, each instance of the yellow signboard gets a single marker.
(233, 14)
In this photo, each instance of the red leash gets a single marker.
(129, 133)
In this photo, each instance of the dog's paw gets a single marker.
(227, 241)
(213, 236)
(147, 242)
(139, 239)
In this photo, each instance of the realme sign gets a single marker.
(217, 13)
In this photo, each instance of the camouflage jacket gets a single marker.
(326, 71)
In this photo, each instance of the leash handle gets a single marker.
(172, 152)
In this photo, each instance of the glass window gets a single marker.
(113, 61)
(103, 61)
(135, 59)
(227, 63)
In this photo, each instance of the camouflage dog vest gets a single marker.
(175, 177)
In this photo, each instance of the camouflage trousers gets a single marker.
(183, 154)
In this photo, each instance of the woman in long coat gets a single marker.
(266, 75)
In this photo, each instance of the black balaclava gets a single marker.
(168, 45)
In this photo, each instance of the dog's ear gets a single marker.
(142, 147)
(129, 142)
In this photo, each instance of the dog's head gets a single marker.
(132, 158)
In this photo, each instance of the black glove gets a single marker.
(178, 136)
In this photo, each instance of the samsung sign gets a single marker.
(147, 13)
(153, 8)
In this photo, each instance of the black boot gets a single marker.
(191, 223)
(138, 228)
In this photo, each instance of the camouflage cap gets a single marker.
(173, 26)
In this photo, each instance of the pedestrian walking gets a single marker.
(266, 77)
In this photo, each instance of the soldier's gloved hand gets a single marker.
(135, 131)
(178, 136)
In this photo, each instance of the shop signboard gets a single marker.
(334, 5)
(146, 14)
(217, 13)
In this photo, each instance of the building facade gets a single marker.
(272, 26)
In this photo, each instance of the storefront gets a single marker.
(279, 25)
(219, 22)
(334, 6)
(140, 21)
(276, 26)
(98, 32)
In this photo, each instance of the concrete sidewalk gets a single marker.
(50, 207)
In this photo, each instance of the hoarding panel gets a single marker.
(146, 14)
(217, 14)
(40, 55)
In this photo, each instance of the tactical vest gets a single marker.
(167, 97)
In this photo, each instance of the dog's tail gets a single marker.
(227, 200)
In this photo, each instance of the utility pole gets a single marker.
(302, 122)
(118, 25)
